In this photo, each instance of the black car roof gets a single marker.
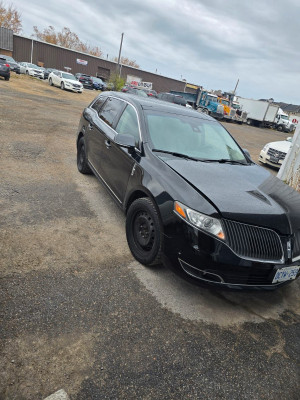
(148, 103)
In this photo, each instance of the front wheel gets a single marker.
(7, 78)
(62, 86)
(144, 231)
(279, 128)
(50, 82)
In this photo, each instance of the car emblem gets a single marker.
(276, 155)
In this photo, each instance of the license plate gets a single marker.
(286, 274)
(274, 160)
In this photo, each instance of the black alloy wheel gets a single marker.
(62, 86)
(82, 163)
(144, 232)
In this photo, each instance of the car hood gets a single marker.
(244, 193)
(283, 146)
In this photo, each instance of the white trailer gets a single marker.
(259, 112)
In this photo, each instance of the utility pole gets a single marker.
(236, 86)
(119, 68)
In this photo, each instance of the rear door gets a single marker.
(100, 135)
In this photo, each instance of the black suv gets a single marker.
(4, 69)
(86, 80)
(13, 65)
(172, 98)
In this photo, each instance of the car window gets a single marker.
(111, 110)
(128, 124)
(98, 104)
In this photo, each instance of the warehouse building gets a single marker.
(52, 56)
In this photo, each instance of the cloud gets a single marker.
(211, 43)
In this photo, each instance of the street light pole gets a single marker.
(119, 69)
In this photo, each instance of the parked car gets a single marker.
(135, 91)
(192, 196)
(47, 72)
(13, 65)
(85, 80)
(98, 83)
(172, 98)
(65, 80)
(4, 69)
(150, 92)
(274, 153)
(31, 69)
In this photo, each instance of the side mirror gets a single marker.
(125, 140)
(246, 152)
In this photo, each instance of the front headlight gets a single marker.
(266, 147)
(201, 221)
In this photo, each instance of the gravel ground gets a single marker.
(79, 314)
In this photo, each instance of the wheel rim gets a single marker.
(143, 230)
(62, 85)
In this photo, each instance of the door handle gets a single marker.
(107, 144)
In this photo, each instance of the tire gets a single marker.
(50, 82)
(7, 78)
(279, 128)
(82, 163)
(27, 72)
(62, 86)
(249, 122)
(205, 111)
(144, 232)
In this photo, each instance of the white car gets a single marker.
(31, 69)
(274, 153)
(65, 80)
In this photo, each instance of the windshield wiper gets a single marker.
(174, 153)
(224, 161)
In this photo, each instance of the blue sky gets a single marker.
(208, 43)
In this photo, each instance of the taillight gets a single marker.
(7, 65)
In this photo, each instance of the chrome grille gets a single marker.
(232, 113)
(277, 154)
(253, 242)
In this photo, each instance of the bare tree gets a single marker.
(65, 38)
(126, 61)
(10, 17)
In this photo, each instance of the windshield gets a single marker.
(236, 106)
(98, 80)
(225, 102)
(69, 76)
(193, 137)
(212, 98)
(284, 116)
(32, 65)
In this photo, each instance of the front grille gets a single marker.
(253, 242)
(76, 86)
(277, 154)
(232, 113)
(296, 250)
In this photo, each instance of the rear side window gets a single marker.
(98, 104)
(128, 124)
(111, 109)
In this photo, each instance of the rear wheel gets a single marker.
(82, 163)
(144, 232)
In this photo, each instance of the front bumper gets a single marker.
(211, 261)
(265, 159)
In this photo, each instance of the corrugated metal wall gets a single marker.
(56, 57)
(6, 39)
